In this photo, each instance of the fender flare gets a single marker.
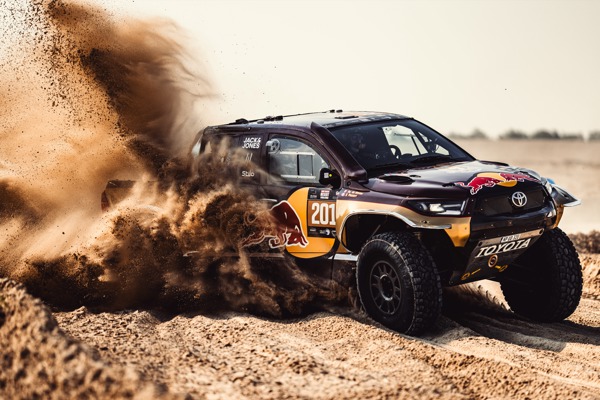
(385, 213)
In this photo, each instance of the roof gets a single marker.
(327, 119)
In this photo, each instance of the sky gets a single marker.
(455, 65)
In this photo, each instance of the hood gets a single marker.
(452, 180)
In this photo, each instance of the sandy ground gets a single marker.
(476, 355)
(478, 350)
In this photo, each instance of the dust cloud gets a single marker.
(88, 97)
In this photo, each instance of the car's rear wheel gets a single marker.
(398, 283)
(545, 283)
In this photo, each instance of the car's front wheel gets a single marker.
(398, 283)
(545, 283)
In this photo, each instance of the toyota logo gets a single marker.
(519, 199)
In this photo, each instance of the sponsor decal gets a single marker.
(289, 229)
(321, 213)
(469, 274)
(491, 179)
(251, 143)
(510, 238)
(349, 193)
(493, 261)
(501, 268)
(503, 247)
(494, 255)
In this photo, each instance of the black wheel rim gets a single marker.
(386, 289)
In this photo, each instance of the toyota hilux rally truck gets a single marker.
(404, 211)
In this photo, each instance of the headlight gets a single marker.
(547, 182)
(437, 207)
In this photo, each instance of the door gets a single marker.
(304, 209)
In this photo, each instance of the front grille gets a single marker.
(502, 205)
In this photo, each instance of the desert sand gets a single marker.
(477, 350)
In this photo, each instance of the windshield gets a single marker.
(401, 143)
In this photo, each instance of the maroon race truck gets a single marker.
(404, 211)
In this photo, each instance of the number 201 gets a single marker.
(323, 214)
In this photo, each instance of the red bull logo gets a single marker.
(288, 228)
(491, 179)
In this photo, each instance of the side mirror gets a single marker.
(330, 177)
(273, 146)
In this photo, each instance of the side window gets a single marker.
(293, 161)
(240, 154)
(251, 146)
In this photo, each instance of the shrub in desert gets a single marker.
(514, 134)
(594, 135)
(586, 242)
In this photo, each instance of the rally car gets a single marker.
(404, 211)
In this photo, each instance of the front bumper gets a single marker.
(497, 241)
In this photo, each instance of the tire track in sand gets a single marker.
(480, 352)
(333, 356)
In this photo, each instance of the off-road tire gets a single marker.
(398, 283)
(545, 283)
